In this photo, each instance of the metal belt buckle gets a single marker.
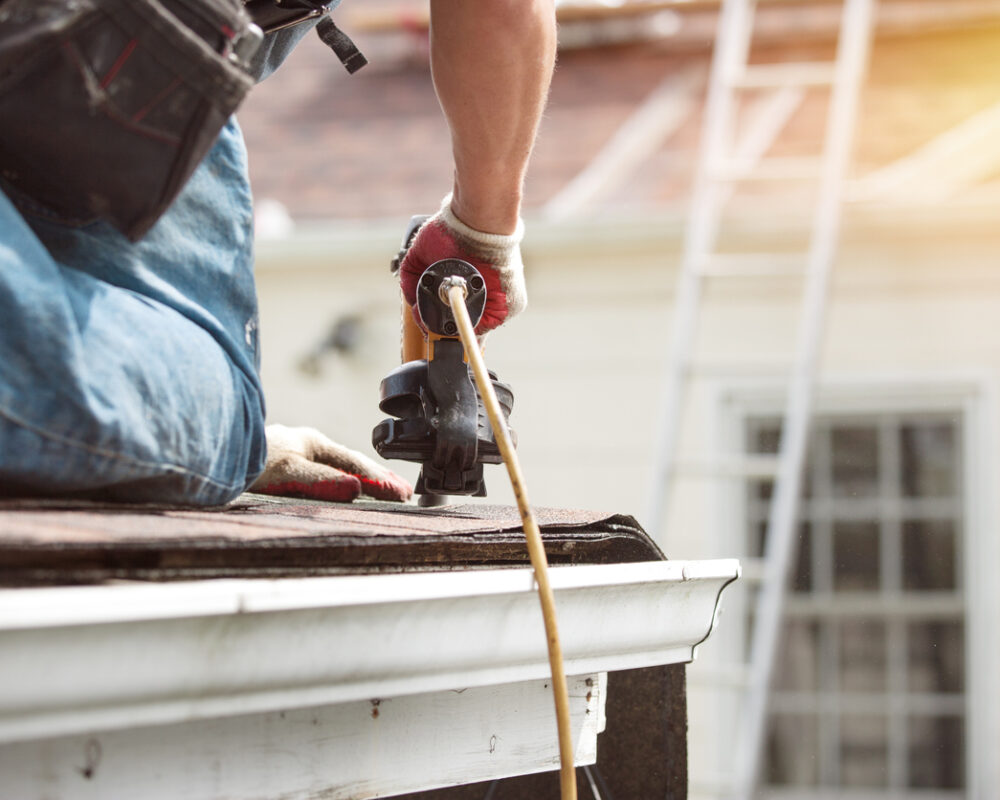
(274, 15)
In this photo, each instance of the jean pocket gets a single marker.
(108, 106)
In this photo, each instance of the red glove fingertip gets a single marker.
(342, 490)
(399, 491)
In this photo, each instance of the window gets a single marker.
(869, 685)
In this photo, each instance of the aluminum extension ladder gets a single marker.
(718, 171)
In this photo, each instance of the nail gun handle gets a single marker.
(414, 345)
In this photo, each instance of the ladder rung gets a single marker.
(738, 466)
(769, 169)
(798, 73)
(752, 265)
(740, 369)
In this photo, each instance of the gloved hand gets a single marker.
(496, 256)
(302, 462)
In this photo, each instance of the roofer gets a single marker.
(130, 360)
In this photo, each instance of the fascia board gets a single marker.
(81, 659)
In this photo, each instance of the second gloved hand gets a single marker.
(496, 256)
(302, 462)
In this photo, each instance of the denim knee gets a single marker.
(130, 369)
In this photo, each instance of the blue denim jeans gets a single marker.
(129, 371)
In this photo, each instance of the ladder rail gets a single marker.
(720, 165)
(852, 58)
(735, 26)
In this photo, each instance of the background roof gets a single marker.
(326, 145)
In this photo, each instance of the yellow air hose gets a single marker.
(453, 291)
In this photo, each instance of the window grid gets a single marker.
(837, 517)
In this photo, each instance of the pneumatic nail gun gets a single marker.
(438, 418)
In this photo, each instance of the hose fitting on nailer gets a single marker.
(453, 282)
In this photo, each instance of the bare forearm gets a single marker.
(492, 62)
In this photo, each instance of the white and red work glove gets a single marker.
(496, 256)
(302, 462)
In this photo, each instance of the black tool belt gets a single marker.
(107, 106)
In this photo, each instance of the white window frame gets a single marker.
(973, 395)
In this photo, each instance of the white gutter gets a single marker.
(85, 659)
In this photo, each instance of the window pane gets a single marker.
(864, 751)
(793, 750)
(797, 667)
(862, 656)
(758, 535)
(802, 580)
(764, 438)
(762, 490)
(854, 452)
(936, 752)
(929, 464)
(856, 556)
(936, 656)
(929, 555)
(801, 577)
(753, 599)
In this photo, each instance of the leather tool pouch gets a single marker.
(108, 106)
